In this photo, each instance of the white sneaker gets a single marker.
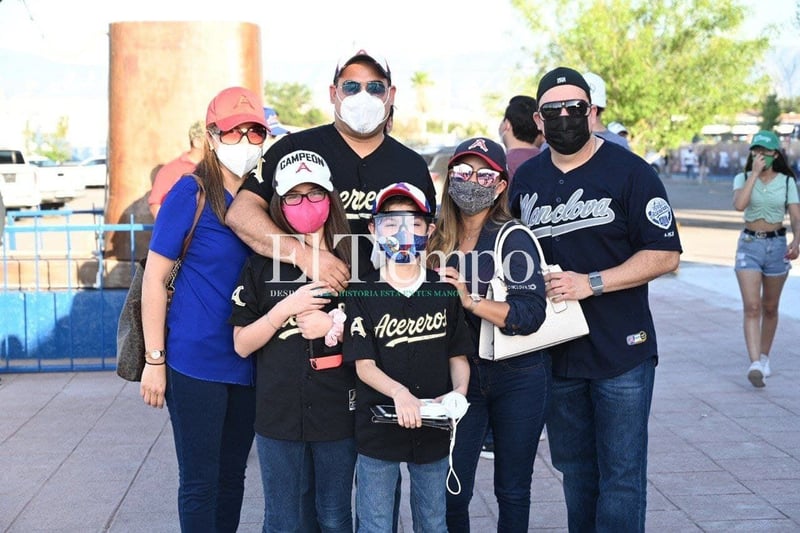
(756, 374)
(765, 366)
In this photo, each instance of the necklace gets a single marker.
(475, 235)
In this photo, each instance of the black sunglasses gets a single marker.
(575, 108)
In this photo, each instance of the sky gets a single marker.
(464, 45)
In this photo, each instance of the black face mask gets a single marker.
(565, 134)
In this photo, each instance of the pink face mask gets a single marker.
(307, 216)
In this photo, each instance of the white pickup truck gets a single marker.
(37, 181)
(57, 183)
(19, 184)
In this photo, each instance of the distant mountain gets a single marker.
(29, 75)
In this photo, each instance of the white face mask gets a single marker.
(239, 158)
(363, 112)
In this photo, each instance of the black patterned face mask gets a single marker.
(565, 134)
(471, 197)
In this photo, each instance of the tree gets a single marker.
(670, 66)
(770, 113)
(421, 81)
(292, 102)
(52, 145)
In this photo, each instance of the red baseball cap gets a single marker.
(405, 189)
(234, 106)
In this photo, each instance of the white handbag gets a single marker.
(564, 321)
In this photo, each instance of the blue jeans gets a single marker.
(213, 428)
(512, 397)
(597, 429)
(291, 470)
(375, 494)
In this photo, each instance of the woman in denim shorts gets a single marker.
(764, 191)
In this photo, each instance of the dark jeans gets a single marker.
(213, 428)
(597, 430)
(512, 397)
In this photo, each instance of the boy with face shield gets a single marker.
(408, 338)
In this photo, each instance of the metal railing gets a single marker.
(69, 327)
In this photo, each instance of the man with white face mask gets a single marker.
(362, 157)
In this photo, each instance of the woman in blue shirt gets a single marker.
(190, 361)
(764, 191)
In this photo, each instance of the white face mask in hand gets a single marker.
(456, 405)
(239, 158)
(363, 112)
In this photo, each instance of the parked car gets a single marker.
(18, 183)
(58, 184)
(94, 171)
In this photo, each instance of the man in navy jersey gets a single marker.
(362, 157)
(603, 215)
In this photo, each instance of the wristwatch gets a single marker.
(596, 283)
(476, 298)
(155, 355)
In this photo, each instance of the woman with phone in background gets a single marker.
(765, 191)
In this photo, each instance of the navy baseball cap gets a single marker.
(486, 149)
(562, 76)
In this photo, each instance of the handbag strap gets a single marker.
(505, 230)
(201, 202)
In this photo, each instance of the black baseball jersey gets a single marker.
(294, 401)
(357, 179)
(411, 338)
(592, 218)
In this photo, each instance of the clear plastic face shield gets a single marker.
(402, 235)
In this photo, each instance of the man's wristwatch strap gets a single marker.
(596, 283)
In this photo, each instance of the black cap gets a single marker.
(562, 76)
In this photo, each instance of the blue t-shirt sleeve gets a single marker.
(175, 218)
(525, 285)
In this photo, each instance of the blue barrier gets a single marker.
(71, 329)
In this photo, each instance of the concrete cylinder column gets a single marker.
(162, 76)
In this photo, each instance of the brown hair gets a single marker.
(209, 170)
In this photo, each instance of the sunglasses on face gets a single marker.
(375, 88)
(255, 135)
(486, 177)
(313, 196)
(575, 108)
